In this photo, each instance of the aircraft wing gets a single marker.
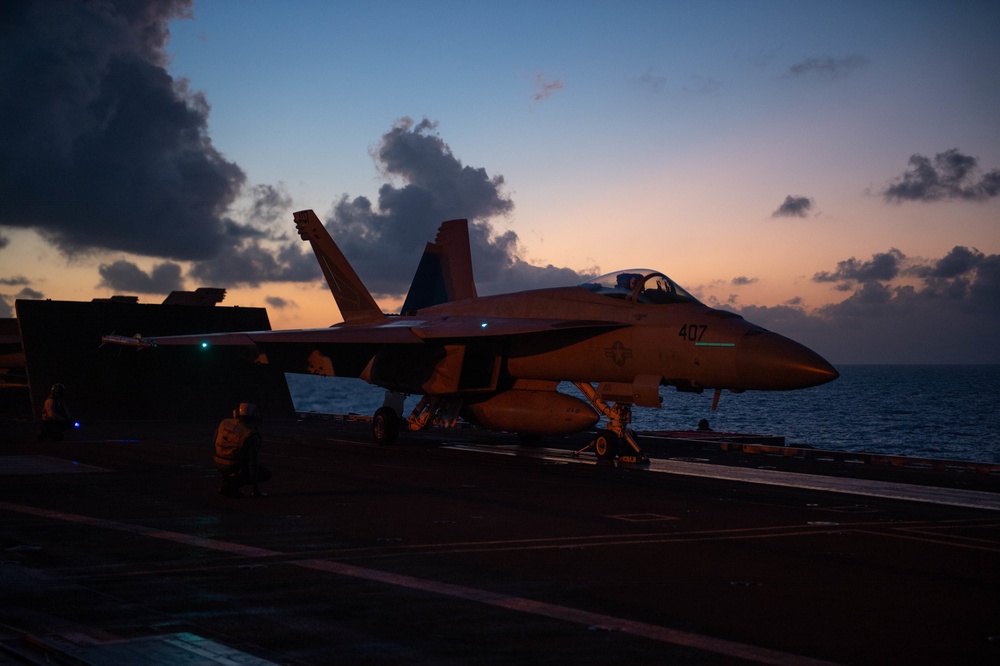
(409, 330)
(307, 336)
(483, 327)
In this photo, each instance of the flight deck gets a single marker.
(467, 547)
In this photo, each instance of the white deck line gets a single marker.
(973, 499)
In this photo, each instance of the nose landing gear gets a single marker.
(617, 439)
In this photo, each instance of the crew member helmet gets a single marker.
(246, 410)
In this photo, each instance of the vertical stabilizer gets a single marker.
(356, 305)
(445, 270)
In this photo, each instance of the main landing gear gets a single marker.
(385, 425)
(431, 410)
(617, 439)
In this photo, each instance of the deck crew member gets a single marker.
(237, 453)
(55, 414)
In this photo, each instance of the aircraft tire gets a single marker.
(385, 426)
(606, 445)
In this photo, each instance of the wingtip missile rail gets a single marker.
(126, 341)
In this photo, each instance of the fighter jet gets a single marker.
(496, 361)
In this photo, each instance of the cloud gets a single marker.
(254, 264)
(696, 84)
(964, 274)
(270, 204)
(828, 68)
(16, 281)
(652, 82)
(959, 261)
(900, 310)
(426, 185)
(984, 291)
(882, 266)
(104, 149)
(742, 280)
(279, 303)
(384, 242)
(4, 241)
(112, 153)
(544, 87)
(7, 300)
(251, 259)
(124, 276)
(797, 206)
(950, 175)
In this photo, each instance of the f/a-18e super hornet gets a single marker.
(496, 361)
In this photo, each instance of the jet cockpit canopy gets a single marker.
(640, 285)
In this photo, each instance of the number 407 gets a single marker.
(693, 332)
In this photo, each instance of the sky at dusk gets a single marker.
(831, 171)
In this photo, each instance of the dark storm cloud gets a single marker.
(883, 266)
(901, 310)
(124, 276)
(743, 280)
(427, 185)
(252, 264)
(960, 261)
(103, 149)
(984, 291)
(950, 175)
(828, 68)
(794, 206)
(963, 275)
(942, 320)
(384, 243)
(245, 260)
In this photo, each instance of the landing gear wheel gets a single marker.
(606, 445)
(385, 426)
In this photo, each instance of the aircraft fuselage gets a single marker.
(686, 344)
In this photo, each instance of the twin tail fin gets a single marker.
(355, 302)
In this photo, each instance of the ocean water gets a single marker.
(929, 411)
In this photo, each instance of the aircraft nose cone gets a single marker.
(771, 362)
